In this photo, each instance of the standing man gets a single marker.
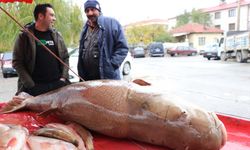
(38, 71)
(103, 46)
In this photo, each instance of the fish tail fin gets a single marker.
(13, 105)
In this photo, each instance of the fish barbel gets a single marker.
(126, 110)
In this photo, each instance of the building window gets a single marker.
(231, 13)
(201, 41)
(231, 26)
(217, 15)
(217, 26)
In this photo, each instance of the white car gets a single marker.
(125, 68)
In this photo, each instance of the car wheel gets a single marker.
(217, 58)
(223, 56)
(239, 57)
(126, 68)
(5, 75)
(208, 58)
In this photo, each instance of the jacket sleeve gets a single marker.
(64, 57)
(80, 66)
(120, 45)
(18, 61)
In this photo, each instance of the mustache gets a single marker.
(91, 17)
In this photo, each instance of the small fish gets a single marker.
(68, 133)
(53, 136)
(13, 137)
(45, 143)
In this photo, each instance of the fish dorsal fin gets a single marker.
(47, 112)
(141, 82)
(15, 104)
(57, 134)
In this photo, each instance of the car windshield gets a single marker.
(154, 46)
(74, 53)
(7, 56)
(211, 47)
(138, 49)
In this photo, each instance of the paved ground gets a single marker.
(215, 85)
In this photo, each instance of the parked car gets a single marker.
(156, 49)
(138, 52)
(126, 65)
(212, 51)
(201, 52)
(182, 50)
(125, 68)
(1, 56)
(6, 65)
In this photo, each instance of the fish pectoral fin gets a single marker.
(15, 104)
(84, 134)
(57, 134)
(47, 112)
(141, 82)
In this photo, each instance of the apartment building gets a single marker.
(230, 16)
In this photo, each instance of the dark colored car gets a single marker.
(212, 51)
(138, 52)
(156, 49)
(182, 50)
(1, 55)
(6, 65)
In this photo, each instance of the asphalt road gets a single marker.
(217, 86)
(8, 87)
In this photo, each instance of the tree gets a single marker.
(69, 21)
(183, 19)
(195, 16)
(147, 34)
(9, 29)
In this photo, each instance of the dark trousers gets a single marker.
(41, 88)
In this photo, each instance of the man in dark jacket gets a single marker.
(103, 46)
(37, 69)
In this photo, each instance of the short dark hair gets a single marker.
(41, 8)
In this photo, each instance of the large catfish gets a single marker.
(126, 110)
